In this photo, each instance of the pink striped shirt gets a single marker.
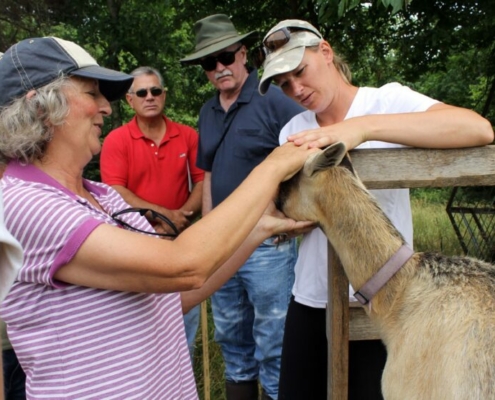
(78, 342)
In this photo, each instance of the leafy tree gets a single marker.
(442, 47)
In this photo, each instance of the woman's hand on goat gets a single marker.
(288, 159)
(351, 132)
(440, 127)
(282, 227)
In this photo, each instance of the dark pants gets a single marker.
(366, 362)
(13, 376)
(303, 373)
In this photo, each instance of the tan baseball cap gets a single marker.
(289, 56)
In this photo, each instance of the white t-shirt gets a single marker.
(310, 286)
(10, 256)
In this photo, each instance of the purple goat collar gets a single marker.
(384, 274)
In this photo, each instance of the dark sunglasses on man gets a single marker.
(225, 58)
(273, 42)
(155, 91)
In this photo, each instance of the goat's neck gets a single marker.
(359, 231)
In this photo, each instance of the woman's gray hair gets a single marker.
(146, 71)
(27, 125)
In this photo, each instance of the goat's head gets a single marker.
(299, 197)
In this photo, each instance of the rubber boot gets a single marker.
(247, 390)
(264, 396)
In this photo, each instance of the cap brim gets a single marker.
(248, 39)
(280, 64)
(113, 84)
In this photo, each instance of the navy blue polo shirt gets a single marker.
(251, 126)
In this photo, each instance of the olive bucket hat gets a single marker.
(214, 33)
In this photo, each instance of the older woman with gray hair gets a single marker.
(96, 309)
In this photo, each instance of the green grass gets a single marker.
(432, 232)
(216, 365)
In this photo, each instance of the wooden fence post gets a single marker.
(337, 328)
(206, 353)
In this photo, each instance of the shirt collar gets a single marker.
(137, 134)
(31, 173)
(249, 88)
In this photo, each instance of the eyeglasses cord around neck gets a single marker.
(143, 212)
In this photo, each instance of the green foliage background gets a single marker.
(443, 48)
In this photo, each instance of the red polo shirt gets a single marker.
(156, 174)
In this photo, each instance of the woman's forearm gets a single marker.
(116, 259)
(193, 297)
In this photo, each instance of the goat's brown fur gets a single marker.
(436, 316)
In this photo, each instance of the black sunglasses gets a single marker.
(225, 58)
(273, 42)
(155, 91)
(143, 212)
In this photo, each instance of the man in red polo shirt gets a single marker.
(151, 162)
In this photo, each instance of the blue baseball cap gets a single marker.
(36, 62)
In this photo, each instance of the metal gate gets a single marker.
(472, 213)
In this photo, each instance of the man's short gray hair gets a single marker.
(147, 71)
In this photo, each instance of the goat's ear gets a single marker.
(346, 163)
(328, 157)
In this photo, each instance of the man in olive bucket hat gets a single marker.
(238, 128)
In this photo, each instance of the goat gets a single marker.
(436, 315)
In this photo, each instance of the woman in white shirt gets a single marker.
(305, 67)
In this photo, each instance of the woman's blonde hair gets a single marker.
(26, 125)
(342, 67)
(340, 64)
